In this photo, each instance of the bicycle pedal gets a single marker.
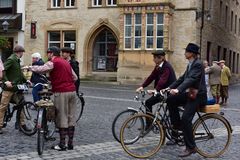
(51, 139)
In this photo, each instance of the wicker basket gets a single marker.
(210, 108)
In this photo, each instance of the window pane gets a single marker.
(160, 18)
(54, 44)
(128, 43)
(149, 42)
(114, 1)
(137, 42)
(128, 30)
(67, 3)
(150, 18)
(5, 3)
(138, 31)
(69, 36)
(138, 19)
(110, 37)
(99, 2)
(73, 3)
(159, 42)
(54, 36)
(159, 30)
(149, 30)
(128, 19)
(102, 49)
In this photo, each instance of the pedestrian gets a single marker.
(225, 79)
(1, 69)
(206, 67)
(188, 91)
(12, 76)
(214, 72)
(62, 78)
(67, 54)
(37, 77)
(163, 75)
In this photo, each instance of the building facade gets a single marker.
(114, 40)
(12, 12)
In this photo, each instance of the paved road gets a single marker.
(94, 140)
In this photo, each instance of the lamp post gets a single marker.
(5, 25)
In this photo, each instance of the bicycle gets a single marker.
(80, 102)
(45, 118)
(123, 115)
(25, 110)
(140, 141)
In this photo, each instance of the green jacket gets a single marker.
(225, 76)
(13, 72)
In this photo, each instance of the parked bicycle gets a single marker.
(25, 111)
(212, 132)
(123, 115)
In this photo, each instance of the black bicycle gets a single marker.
(25, 119)
(212, 132)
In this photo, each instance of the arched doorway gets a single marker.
(105, 53)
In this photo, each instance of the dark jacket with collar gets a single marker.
(194, 78)
(36, 77)
(162, 76)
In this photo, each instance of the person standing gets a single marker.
(36, 77)
(163, 75)
(214, 72)
(67, 54)
(12, 76)
(62, 78)
(188, 91)
(225, 79)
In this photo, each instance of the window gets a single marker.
(233, 62)
(128, 31)
(219, 53)
(208, 50)
(149, 31)
(138, 31)
(111, 2)
(55, 3)
(62, 39)
(6, 3)
(232, 21)
(220, 12)
(97, 3)
(224, 53)
(69, 3)
(230, 59)
(226, 17)
(239, 27)
(159, 35)
(235, 27)
(237, 71)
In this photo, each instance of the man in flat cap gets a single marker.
(163, 75)
(225, 78)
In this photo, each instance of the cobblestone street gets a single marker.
(94, 140)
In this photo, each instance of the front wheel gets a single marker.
(118, 122)
(212, 135)
(146, 139)
(80, 103)
(41, 130)
(27, 116)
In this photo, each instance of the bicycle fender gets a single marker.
(130, 108)
(40, 117)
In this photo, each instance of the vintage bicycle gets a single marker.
(211, 130)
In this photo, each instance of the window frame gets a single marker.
(112, 4)
(97, 3)
(70, 2)
(134, 36)
(129, 37)
(146, 29)
(52, 2)
(157, 28)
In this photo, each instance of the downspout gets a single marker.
(202, 24)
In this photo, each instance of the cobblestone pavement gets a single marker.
(94, 140)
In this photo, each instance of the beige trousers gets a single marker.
(65, 103)
(6, 97)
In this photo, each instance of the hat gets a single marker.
(222, 61)
(18, 48)
(159, 52)
(191, 47)
(53, 49)
(67, 49)
(36, 55)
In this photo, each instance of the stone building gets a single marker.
(114, 40)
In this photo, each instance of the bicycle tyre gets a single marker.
(115, 129)
(41, 131)
(29, 111)
(80, 103)
(151, 139)
(225, 131)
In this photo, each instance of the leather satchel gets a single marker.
(192, 94)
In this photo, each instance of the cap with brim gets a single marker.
(160, 53)
(222, 61)
(193, 48)
(67, 49)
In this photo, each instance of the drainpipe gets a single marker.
(202, 25)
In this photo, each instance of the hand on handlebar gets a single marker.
(174, 91)
(9, 84)
(140, 89)
(152, 92)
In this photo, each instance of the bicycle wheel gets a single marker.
(80, 102)
(118, 122)
(28, 114)
(212, 135)
(50, 130)
(41, 130)
(147, 142)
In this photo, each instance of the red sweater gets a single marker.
(61, 76)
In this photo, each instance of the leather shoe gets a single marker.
(59, 147)
(1, 131)
(70, 147)
(187, 152)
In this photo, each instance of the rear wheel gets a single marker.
(28, 114)
(212, 135)
(146, 141)
(80, 103)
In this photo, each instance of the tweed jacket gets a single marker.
(214, 74)
(225, 76)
